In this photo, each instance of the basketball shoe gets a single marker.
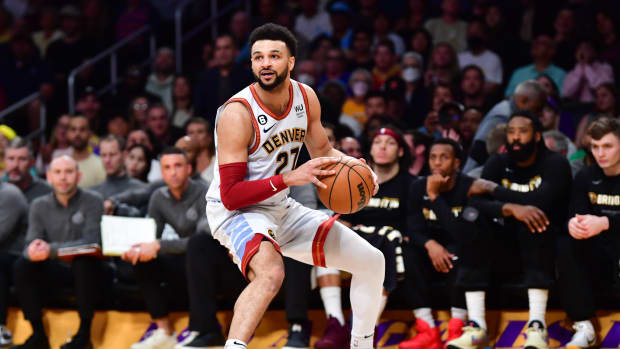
(336, 336)
(455, 329)
(298, 337)
(156, 339)
(536, 336)
(194, 340)
(473, 337)
(584, 336)
(426, 338)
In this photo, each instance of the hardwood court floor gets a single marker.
(116, 330)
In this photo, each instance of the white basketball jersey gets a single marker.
(277, 138)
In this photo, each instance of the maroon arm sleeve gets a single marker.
(237, 193)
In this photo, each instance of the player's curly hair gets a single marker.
(271, 31)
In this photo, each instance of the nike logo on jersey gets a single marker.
(597, 182)
(266, 129)
(508, 169)
(273, 186)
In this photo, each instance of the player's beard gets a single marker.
(525, 150)
(276, 82)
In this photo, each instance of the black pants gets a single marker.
(156, 277)
(516, 249)
(6, 280)
(208, 269)
(585, 265)
(296, 290)
(420, 274)
(34, 279)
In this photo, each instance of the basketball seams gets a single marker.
(338, 203)
(350, 191)
(361, 177)
(329, 198)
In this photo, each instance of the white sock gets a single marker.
(538, 304)
(586, 324)
(382, 304)
(332, 302)
(426, 315)
(476, 307)
(458, 313)
(235, 344)
(363, 342)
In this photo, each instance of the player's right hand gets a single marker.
(310, 171)
(535, 219)
(440, 257)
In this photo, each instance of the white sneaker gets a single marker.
(189, 337)
(583, 338)
(6, 337)
(537, 337)
(473, 337)
(157, 339)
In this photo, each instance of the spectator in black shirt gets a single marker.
(532, 195)
(216, 85)
(472, 88)
(18, 160)
(588, 258)
(67, 217)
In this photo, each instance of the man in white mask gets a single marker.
(416, 96)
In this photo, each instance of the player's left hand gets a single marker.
(593, 225)
(374, 177)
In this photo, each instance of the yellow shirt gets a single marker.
(355, 110)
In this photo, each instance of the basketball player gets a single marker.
(588, 259)
(442, 234)
(381, 223)
(533, 185)
(259, 133)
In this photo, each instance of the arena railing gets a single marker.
(40, 132)
(112, 53)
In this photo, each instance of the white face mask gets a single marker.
(411, 74)
(306, 79)
(359, 88)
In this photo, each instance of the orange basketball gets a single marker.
(349, 189)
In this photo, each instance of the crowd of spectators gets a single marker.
(430, 68)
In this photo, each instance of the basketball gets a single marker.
(349, 189)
